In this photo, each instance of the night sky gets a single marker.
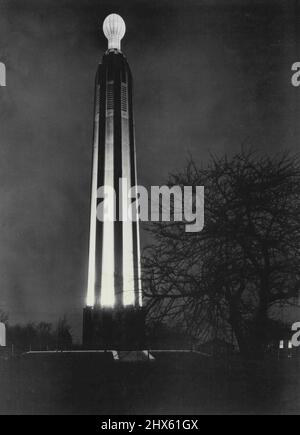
(210, 77)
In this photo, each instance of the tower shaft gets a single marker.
(114, 293)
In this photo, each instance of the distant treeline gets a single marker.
(40, 336)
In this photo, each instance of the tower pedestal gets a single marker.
(113, 328)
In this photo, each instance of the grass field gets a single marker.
(173, 384)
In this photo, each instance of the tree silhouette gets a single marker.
(246, 260)
(63, 334)
(40, 336)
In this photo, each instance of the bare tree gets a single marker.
(63, 334)
(245, 261)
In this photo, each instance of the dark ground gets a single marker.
(173, 384)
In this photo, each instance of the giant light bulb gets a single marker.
(114, 29)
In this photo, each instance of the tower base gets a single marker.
(113, 328)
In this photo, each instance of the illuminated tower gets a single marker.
(113, 316)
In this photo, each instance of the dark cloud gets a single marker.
(209, 76)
